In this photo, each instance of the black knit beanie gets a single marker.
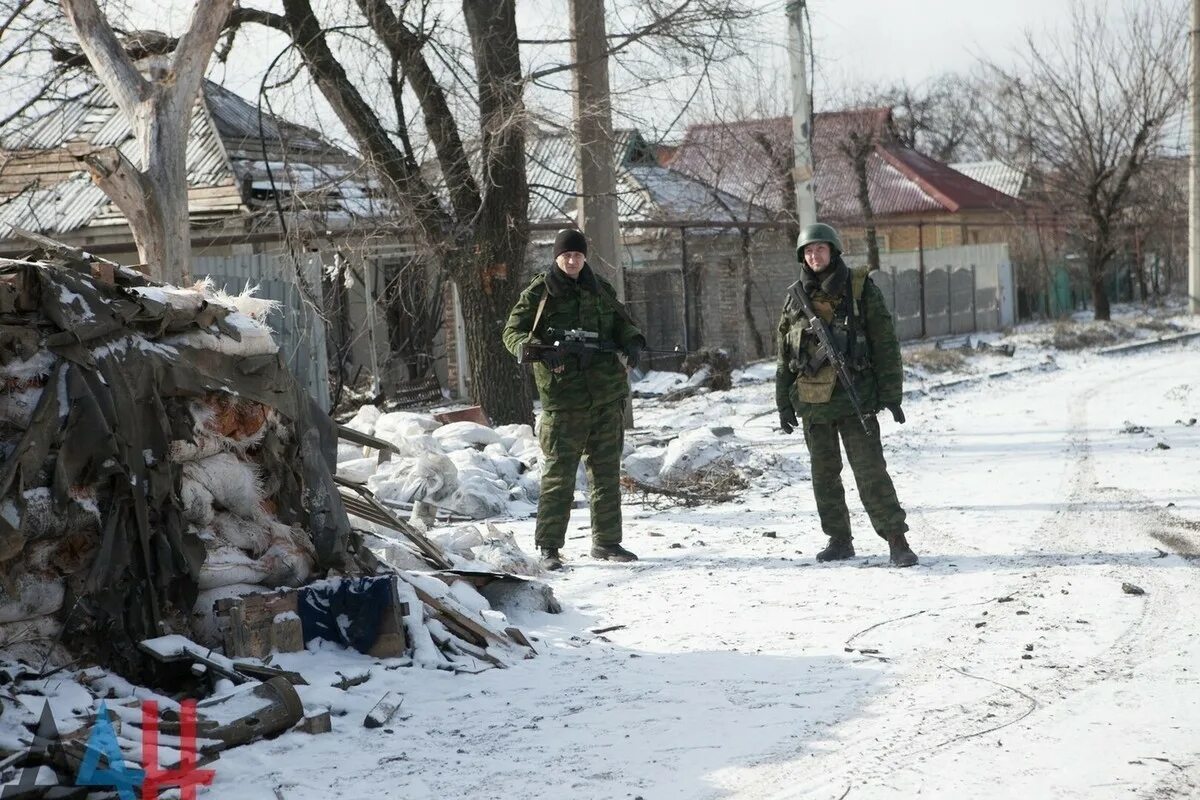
(569, 240)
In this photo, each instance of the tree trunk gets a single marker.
(1096, 265)
(488, 290)
(864, 202)
(748, 298)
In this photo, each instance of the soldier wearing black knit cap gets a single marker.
(583, 400)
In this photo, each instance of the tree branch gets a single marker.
(405, 46)
(106, 55)
(194, 51)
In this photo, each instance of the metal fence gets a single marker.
(949, 291)
(298, 328)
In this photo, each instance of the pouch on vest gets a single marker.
(818, 387)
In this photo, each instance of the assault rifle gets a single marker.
(817, 326)
(576, 342)
(572, 342)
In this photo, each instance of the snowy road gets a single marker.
(1010, 663)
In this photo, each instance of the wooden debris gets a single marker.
(457, 622)
(254, 625)
(263, 672)
(383, 711)
(392, 642)
(317, 722)
(347, 683)
(518, 636)
(187, 650)
(366, 505)
(606, 629)
(468, 414)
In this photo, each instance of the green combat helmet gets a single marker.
(817, 232)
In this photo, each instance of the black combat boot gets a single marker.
(550, 560)
(837, 550)
(612, 552)
(902, 554)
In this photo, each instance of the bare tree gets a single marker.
(1090, 108)
(467, 204)
(153, 195)
(29, 33)
(936, 117)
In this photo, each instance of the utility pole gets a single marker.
(802, 173)
(1194, 195)
(596, 178)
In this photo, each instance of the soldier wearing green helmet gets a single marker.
(809, 396)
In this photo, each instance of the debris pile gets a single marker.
(167, 492)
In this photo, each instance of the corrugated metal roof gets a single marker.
(330, 185)
(750, 160)
(996, 174)
(64, 207)
(645, 190)
(236, 118)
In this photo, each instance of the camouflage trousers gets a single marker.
(865, 454)
(597, 435)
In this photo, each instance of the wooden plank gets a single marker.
(476, 632)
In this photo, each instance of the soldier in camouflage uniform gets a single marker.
(583, 397)
(806, 384)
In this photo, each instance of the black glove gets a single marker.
(552, 361)
(633, 354)
(897, 412)
(787, 419)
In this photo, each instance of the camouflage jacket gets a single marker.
(589, 303)
(861, 324)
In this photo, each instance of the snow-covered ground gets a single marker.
(1009, 663)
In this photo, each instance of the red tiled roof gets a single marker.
(749, 160)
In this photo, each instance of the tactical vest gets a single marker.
(816, 377)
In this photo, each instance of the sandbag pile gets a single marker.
(153, 445)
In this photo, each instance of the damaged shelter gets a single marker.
(169, 514)
(155, 447)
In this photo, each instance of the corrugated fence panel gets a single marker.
(299, 330)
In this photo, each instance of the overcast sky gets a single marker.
(856, 42)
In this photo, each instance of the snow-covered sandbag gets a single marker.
(530, 483)
(235, 485)
(42, 518)
(479, 497)
(252, 536)
(427, 477)
(255, 339)
(467, 595)
(197, 501)
(460, 540)
(358, 470)
(227, 565)
(656, 382)
(690, 452)
(30, 595)
(365, 419)
(511, 435)
(470, 432)
(501, 551)
(645, 463)
(348, 452)
(504, 465)
(398, 425)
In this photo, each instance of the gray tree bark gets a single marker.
(153, 195)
